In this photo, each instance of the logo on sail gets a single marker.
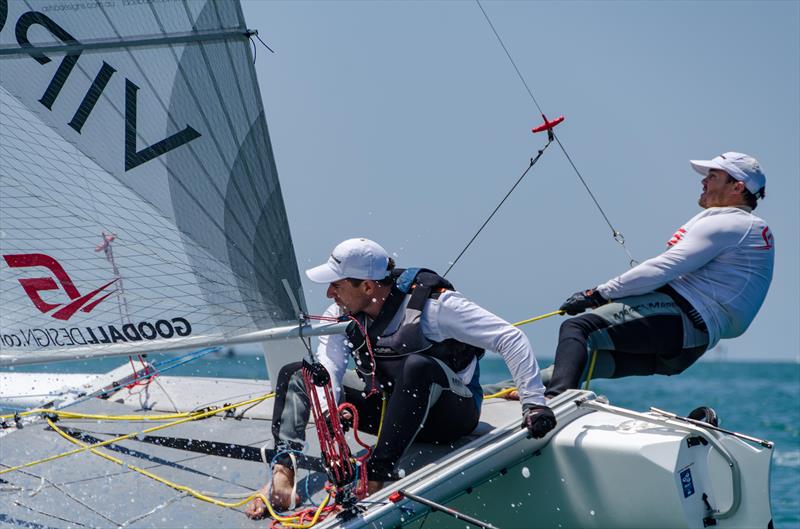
(34, 286)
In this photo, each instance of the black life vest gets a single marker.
(411, 290)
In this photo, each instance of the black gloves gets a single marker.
(345, 420)
(580, 301)
(538, 420)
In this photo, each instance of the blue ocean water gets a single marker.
(758, 399)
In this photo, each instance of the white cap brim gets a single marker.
(704, 166)
(323, 274)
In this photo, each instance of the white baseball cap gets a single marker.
(742, 167)
(354, 258)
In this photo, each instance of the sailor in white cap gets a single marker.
(421, 350)
(662, 315)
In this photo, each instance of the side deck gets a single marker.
(219, 457)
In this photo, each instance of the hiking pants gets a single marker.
(655, 333)
(419, 406)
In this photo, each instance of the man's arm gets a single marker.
(453, 316)
(706, 239)
(332, 353)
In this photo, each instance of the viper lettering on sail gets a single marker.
(133, 156)
(138, 180)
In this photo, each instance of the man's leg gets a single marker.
(419, 402)
(289, 419)
(639, 335)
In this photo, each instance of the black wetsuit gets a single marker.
(423, 400)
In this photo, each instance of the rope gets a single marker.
(288, 521)
(537, 318)
(74, 415)
(591, 370)
(616, 234)
(159, 367)
(499, 394)
(201, 415)
(532, 163)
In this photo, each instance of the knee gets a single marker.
(576, 328)
(289, 370)
(417, 366)
(678, 362)
(296, 383)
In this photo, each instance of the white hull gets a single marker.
(599, 469)
(602, 467)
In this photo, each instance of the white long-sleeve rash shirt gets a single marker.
(454, 316)
(721, 261)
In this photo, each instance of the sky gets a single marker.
(406, 123)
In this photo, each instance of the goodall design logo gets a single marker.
(34, 286)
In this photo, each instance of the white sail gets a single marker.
(140, 206)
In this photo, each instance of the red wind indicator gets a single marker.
(548, 125)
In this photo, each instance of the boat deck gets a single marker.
(86, 490)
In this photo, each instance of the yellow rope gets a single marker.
(195, 417)
(499, 394)
(383, 411)
(285, 520)
(73, 415)
(504, 392)
(537, 318)
(591, 370)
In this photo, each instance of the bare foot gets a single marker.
(512, 395)
(279, 494)
(256, 509)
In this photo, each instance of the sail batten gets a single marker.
(182, 38)
(141, 174)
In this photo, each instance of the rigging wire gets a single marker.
(616, 234)
(532, 163)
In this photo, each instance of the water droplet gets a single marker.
(591, 512)
(526, 472)
(401, 473)
(513, 505)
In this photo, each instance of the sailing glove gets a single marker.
(345, 420)
(580, 301)
(538, 420)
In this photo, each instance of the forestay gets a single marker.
(140, 206)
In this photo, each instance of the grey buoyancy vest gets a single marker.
(397, 330)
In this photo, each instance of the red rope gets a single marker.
(332, 441)
(373, 373)
(137, 380)
(361, 488)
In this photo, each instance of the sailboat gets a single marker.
(140, 210)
